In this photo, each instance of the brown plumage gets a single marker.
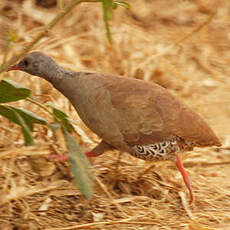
(131, 115)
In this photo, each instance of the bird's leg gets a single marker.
(92, 154)
(58, 157)
(185, 176)
(97, 151)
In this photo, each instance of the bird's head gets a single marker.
(36, 63)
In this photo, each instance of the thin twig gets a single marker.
(117, 164)
(42, 34)
(195, 30)
(205, 164)
(170, 47)
(109, 195)
(146, 170)
(39, 104)
(89, 225)
(185, 205)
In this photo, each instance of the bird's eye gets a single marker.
(26, 63)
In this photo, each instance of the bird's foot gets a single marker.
(185, 176)
(58, 157)
(92, 154)
(65, 157)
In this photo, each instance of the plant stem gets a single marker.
(39, 104)
(196, 29)
(48, 27)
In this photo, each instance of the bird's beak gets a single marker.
(14, 67)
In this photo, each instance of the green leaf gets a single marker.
(80, 167)
(10, 113)
(30, 118)
(61, 118)
(12, 91)
(114, 6)
(25, 129)
(24, 118)
(54, 126)
(12, 36)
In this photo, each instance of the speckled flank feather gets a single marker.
(163, 150)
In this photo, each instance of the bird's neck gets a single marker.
(64, 81)
(57, 76)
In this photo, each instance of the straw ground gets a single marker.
(41, 194)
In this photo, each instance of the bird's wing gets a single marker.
(150, 114)
(135, 112)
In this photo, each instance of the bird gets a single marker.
(130, 115)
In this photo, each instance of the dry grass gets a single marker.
(39, 194)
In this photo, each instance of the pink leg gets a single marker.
(97, 151)
(92, 154)
(185, 176)
(65, 157)
(58, 157)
